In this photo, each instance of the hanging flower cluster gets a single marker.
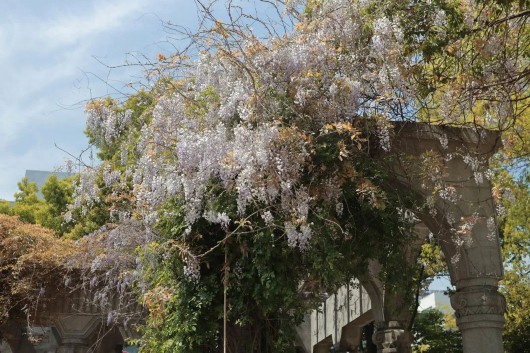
(266, 160)
(252, 118)
(284, 124)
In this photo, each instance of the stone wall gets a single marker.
(338, 322)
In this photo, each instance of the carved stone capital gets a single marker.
(391, 337)
(479, 311)
(478, 300)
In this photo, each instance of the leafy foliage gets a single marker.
(270, 286)
(33, 262)
(27, 203)
(516, 247)
(49, 211)
(249, 157)
(431, 334)
(261, 165)
(57, 195)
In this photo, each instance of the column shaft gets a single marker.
(479, 314)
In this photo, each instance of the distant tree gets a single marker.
(28, 191)
(434, 333)
(32, 263)
(27, 203)
(57, 195)
(49, 211)
(5, 207)
(515, 229)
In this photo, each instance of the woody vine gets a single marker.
(266, 148)
(273, 152)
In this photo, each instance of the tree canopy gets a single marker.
(432, 334)
(250, 173)
(33, 263)
(48, 211)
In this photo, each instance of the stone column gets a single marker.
(391, 337)
(479, 310)
(392, 334)
(391, 308)
(464, 225)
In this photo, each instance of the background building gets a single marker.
(436, 299)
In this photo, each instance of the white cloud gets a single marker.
(104, 17)
(44, 52)
(35, 55)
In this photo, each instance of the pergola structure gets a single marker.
(464, 225)
(465, 228)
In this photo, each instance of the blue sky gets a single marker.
(48, 69)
